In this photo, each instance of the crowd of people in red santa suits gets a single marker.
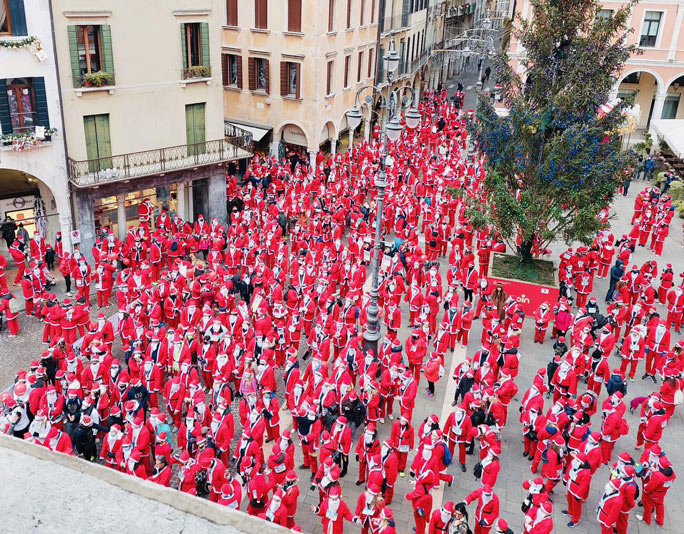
(268, 309)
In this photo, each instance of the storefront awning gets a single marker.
(258, 132)
(672, 131)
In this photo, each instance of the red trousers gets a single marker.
(481, 530)
(539, 334)
(649, 505)
(674, 318)
(607, 450)
(387, 407)
(273, 432)
(574, 508)
(651, 362)
(13, 326)
(420, 521)
(622, 522)
(402, 457)
(21, 267)
(603, 270)
(463, 337)
(629, 363)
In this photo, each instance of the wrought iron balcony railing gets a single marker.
(92, 172)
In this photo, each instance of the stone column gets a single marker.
(181, 202)
(216, 191)
(367, 130)
(121, 215)
(65, 228)
(86, 222)
(312, 158)
(657, 109)
(333, 146)
(351, 138)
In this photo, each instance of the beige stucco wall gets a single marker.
(313, 48)
(147, 104)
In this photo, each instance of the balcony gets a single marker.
(92, 172)
(393, 24)
(95, 80)
(27, 139)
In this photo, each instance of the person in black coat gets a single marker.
(616, 273)
(83, 439)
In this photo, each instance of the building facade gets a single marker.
(656, 75)
(292, 69)
(33, 179)
(143, 110)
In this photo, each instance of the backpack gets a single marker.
(446, 459)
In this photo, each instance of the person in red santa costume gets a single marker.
(487, 508)
(333, 512)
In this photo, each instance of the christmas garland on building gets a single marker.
(24, 43)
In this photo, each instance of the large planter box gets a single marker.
(528, 294)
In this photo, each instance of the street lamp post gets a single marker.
(391, 131)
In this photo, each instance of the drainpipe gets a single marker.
(61, 108)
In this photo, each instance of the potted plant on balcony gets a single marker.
(7, 140)
(198, 71)
(97, 79)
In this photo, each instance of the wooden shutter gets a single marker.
(359, 67)
(328, 79)
(261, 14)
(72, 33)
(41, 102)
(267, 64)
(347, 62)
(294, 15)
(107, 55)
(349, 13)
(363, 12)
(239, 70)
(232, 12)
(370, 62)
(225, 74)
(204, 34)
(372, 11)
(251, 73)
(299, 80)
(17, 17)
(184, 46)
(5, 118)
(331, 15)
(283, 78)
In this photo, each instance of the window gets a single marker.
(195, 49)
(231, 69)
(22, 105)
(329, 78)
(370, 62)
(634, 78)
(373, 11)
(195, 130)
(359, 67)
(670, 106)
(347, 64)
(12, 17)
(294, 16)
(290, 79)
(604, 14)
(349, 14)
(331, 15)
(258, 74)
(193, 43)
(98, 142)
(232, 12)
(363, 13)
(261, 14)
(650, 29)
(90, 48)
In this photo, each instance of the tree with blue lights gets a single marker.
(554, 162)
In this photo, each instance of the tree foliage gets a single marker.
(554, 161)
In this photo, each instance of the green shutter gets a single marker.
(5, 118)
(98, 141)
(184, 47)
(204, 31)
(17, 17)
(194, 128)
(381, 65)
(73, 52)
(41, 102)
(107, 55)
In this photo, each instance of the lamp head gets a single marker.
(394, 130)
(412, 117)
(354, 117)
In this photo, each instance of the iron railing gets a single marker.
(149, 162)
(390, 24)
(199, 71)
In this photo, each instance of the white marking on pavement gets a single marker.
(469, 87)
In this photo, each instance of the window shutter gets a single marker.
(5, 119)
(224, 69)
(349, 13)
(204, 31)
(184, 46)
(331, 15)
(107, 56)
(251, 68)
(268, 76)
(232, 14)
(72, 33)
(283, 78)
(299, 80)
(41, 102)
(294, 15)
(239, 71)
(17, 17)
(372, 11)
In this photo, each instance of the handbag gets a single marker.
(678, 397)
(477, 470)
